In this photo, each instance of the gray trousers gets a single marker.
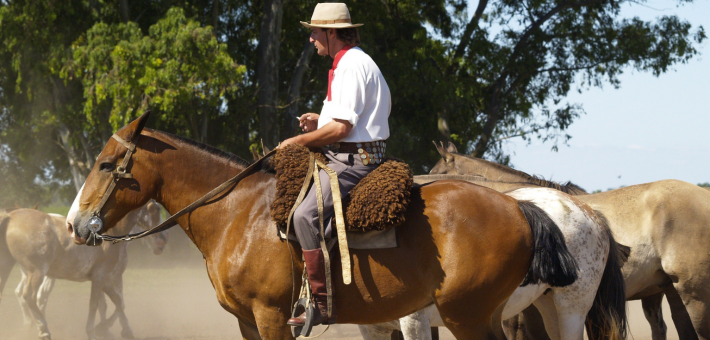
(350, 171)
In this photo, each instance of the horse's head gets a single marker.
(447, 164)
(149, 217)
(120, 181)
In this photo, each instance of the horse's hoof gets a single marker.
(101, 330)
(127, 334)
(45, 336)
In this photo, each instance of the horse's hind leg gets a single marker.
(652, 310)
(26, 313)
(6, 264)
(680, 316)
(43, 294)
(546, 306)
(29, 293)
(696, 297)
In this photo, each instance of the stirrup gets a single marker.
(309, 309)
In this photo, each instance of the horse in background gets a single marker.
(666, 223)
(40, 244)
(596, 298)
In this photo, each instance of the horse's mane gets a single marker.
(230, 157)
(567, 187)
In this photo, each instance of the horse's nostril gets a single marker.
(70, 229)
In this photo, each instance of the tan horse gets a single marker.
(464, 247)
(667, 226)
(45, 252)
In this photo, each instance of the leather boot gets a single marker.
(315, 268)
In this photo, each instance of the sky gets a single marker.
(651, 128)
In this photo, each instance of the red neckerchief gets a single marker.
(331, 73)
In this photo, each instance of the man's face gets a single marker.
(318, 38)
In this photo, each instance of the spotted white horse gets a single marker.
(599, 289)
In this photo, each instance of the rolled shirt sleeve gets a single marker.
(347, 96)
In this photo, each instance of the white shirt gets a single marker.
(360, 95)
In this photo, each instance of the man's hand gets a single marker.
(287, 142)
(309, 121)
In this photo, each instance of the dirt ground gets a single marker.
(170, 297)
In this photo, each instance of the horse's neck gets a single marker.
(493, 171)
(188, 173)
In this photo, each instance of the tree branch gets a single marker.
(466, 37)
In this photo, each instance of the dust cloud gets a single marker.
(170, 297)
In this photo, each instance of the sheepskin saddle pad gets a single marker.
(377, 203)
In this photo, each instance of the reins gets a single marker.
(122, 172)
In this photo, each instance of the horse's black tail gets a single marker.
(607, 318)
(552, 262)
(6, 259)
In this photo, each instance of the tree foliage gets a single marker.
(72, 72)
(179, 70)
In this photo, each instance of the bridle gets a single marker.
(96, 222)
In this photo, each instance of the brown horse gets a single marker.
(666, 224)
(464, 247)
(44, 251)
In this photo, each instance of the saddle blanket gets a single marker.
(376, 239)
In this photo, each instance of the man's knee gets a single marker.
(303, 217)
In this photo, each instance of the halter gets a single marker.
(96, 222)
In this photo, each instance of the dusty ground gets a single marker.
(170, 297)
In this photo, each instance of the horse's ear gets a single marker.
(255, 154)
(264, 149)
(136, 126)
(440, 148)
(35, 207)
(452, 148)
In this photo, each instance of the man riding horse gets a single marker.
(352, 129)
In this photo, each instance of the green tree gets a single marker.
(179, 70)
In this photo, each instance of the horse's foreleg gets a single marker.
(104, 324)
(29, 293)
(93, 307)
(115, 293)
(272, 324)
(680, 316)
(654, 315)
(249, 331)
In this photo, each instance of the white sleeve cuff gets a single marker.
(341, 112)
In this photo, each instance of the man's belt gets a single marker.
(369, 152)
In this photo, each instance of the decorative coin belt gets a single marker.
(369, 152)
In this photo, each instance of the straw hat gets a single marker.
(330, 15)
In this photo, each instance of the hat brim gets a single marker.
(339, 25)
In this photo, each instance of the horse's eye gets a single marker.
(106, 167)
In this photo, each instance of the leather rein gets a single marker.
(96, 222)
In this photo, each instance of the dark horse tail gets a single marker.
(607, 318)
(552, 262)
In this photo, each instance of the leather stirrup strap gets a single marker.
(324, 247)
(339, 221)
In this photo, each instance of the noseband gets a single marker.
(96, 222)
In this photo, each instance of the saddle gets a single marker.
(376, 205)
